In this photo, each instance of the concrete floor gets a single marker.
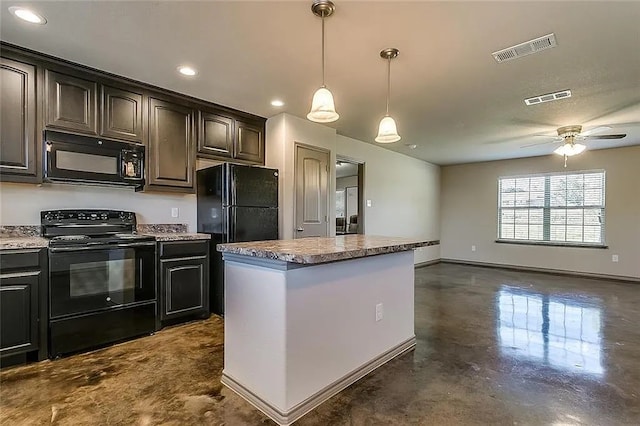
(494, 347)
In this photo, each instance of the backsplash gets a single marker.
(20, 204)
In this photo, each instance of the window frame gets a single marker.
(601, 245)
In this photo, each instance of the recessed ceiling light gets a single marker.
(27, 15)
(185, 70)
(277, 103)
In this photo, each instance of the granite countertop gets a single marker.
(177, 236)
(13, 243)
(28, 236)
(21, 237)
(325, 249)
(170, 232)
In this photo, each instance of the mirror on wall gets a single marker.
(349, 178)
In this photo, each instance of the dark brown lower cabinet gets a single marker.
(23, 314)
(184, 280)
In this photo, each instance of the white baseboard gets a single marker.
(542, 270)
(284, 418)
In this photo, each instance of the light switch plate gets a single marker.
(175, 212)
(368, 203)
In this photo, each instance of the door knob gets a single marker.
(300, 229)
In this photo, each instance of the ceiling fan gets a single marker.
(569, 135)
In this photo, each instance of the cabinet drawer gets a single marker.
(19, 259)
(184, 248)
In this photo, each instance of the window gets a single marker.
(558, 208)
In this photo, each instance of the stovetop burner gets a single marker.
(71, 238)
(77, 228)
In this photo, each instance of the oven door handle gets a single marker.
(102, 246)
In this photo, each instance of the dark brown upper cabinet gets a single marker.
(71, 103)
(215, 135)
(249, 142)
(18, 135)
(170, 151)
(121, 114)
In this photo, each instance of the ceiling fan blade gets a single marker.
(595, 130)
(539, 143)
(605, 136)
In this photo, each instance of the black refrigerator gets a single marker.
(236, 203)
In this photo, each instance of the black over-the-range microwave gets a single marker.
(92, 160)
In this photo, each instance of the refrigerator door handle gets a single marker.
(227, 223)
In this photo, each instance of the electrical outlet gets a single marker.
(175, 212)
(614, 258)
(473, 248)
(368, 203)
(379, 312)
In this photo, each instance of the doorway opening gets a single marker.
(349, 196)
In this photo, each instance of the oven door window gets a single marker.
(90, 280)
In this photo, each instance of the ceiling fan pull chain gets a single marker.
(565, 161)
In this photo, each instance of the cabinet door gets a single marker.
(19, 312)
(121, 113)
(215, 135)
(170, 151)
(249, 142)
(71, 103)
(184, 287)
(18, 140)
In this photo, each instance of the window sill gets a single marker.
(552, 244)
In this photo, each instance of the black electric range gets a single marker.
(102, 285)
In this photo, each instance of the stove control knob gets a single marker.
(48, 217)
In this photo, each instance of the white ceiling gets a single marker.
(449, 96)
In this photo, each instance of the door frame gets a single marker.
(295, 183)
(361, 203)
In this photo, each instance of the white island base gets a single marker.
(297, 334)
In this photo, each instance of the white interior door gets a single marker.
(312, 181)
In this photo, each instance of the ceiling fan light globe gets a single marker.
(387, 131)
(323, 109)
(570, 150)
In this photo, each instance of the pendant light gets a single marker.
(323, 109)
(388, 131)
(569, 148)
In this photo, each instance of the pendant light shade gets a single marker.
(387, 130)
(323, 109)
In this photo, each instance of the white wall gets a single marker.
(469, 214)
(20, 204)
(404, 191)
(343, 182)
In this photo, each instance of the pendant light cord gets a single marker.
(323, 50)
(388, 83)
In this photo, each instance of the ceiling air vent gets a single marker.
(548, 97)
(526, 48)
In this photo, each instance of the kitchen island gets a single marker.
(306, 318)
